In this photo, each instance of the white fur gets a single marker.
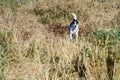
(74, 16)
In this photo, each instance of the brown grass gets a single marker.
(39, 50)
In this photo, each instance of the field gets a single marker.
(35, 44)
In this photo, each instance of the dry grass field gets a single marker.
(35, 45)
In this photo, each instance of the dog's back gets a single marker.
(73, 25)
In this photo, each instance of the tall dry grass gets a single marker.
(30, 52)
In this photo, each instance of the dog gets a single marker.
(73, 27)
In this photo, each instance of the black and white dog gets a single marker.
(73, 27)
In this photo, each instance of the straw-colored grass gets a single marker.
(29, 50)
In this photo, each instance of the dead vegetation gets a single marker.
(34, 43)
